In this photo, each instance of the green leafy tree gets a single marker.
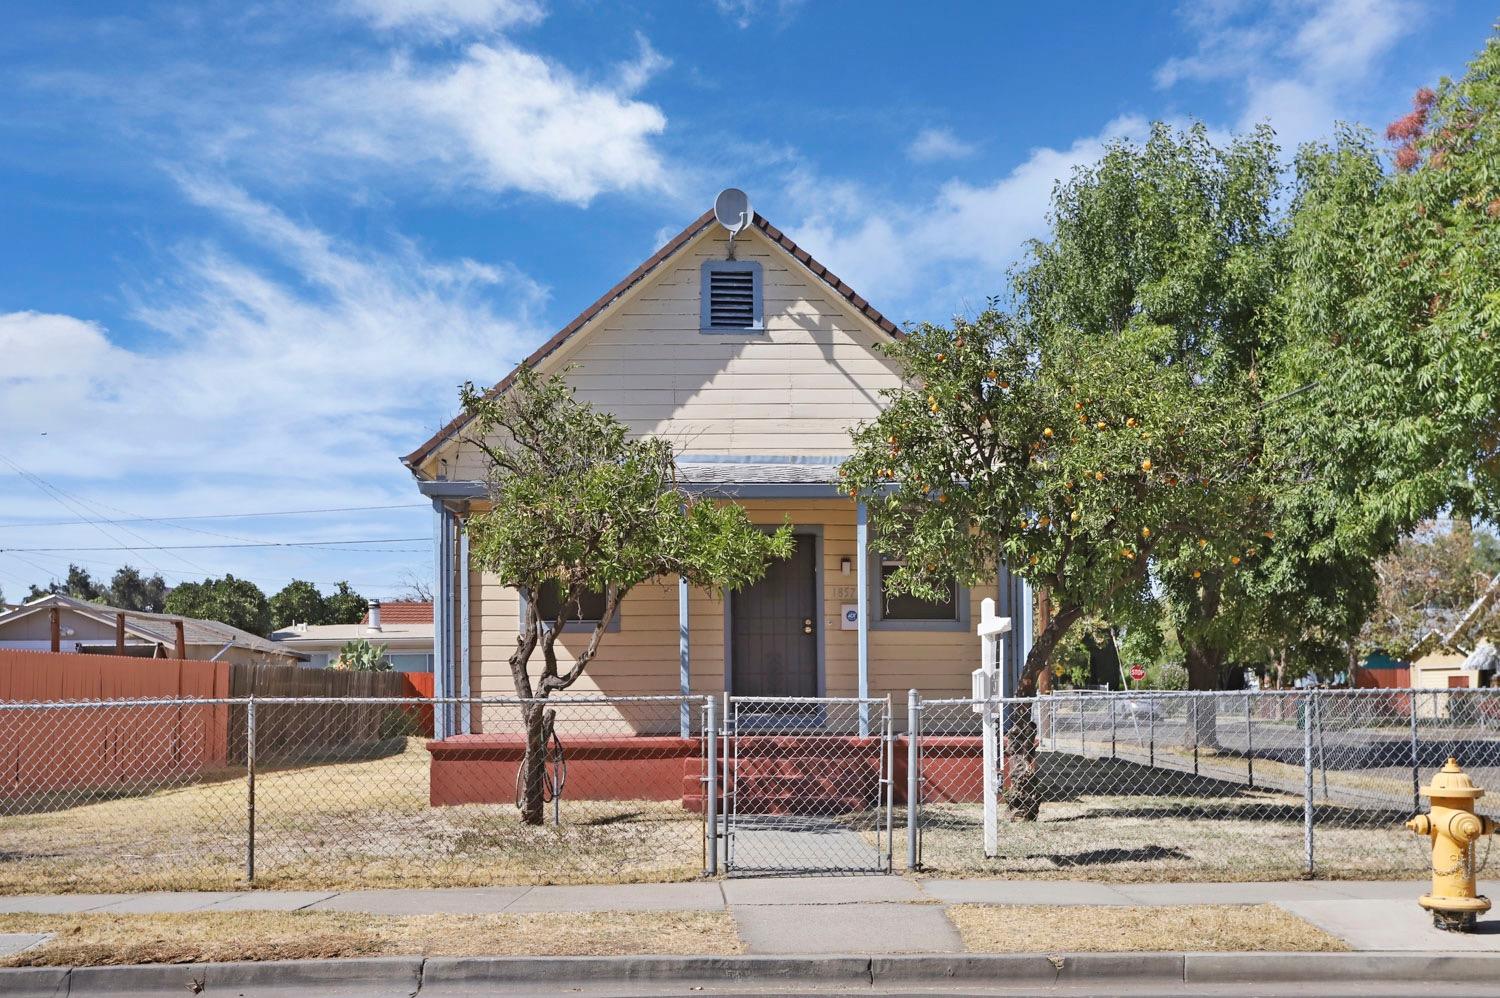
(1177, 238)
(130, 589)
(345, 606)
(299, 602)
(360, 655)
(79, 584)
(236, 602)
(1398, 288)
(1073, 462)
(579, 504)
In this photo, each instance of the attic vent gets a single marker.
(731, 296)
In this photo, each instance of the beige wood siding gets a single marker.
(794, 388)
(642, 656)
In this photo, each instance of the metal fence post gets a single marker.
(1322, 753)
(888, 735)
(913, 761)
(1196, 702)
(1308, 706)
(1416, 776)
(1249, 741)
(250, 790)
(1150, 731)
(711, 779)
(1112, 726)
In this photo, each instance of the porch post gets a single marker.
(465, 711)
(684, 674)
(862, 602)
(442, 601)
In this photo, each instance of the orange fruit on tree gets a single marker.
(1047, 433)
(1146, 464)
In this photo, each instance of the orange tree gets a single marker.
(580, 506)
(1176, 242)
(1075, 466)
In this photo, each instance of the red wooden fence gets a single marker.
(89, 749)
(111, 749)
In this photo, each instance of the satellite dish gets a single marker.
(732, 209)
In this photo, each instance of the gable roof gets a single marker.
(159, 627)
(636, 276)
(1460, 633)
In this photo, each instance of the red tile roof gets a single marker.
(403, 612)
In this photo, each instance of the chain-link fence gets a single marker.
(351, 792)
(323, 792)
(1201, 786)
(807, 785)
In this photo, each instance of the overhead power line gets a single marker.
(249, 544)
(222, 516)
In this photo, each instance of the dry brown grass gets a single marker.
(1102, 929)
(1252, 836)
(95, 940)
(363, 823)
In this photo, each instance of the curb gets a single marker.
(469, 975)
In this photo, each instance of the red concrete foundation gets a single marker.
(775, 773)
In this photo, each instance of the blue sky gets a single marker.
(249, 250)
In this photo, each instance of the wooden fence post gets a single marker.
(119, 634)
(181, 639)
(55, 620)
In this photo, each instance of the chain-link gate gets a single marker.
(807, 785)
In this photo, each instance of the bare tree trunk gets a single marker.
(534, 764)
(1204, 665)
(1024, 796)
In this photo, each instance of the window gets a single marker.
(590, 609)
(731, 297)
(907, 610)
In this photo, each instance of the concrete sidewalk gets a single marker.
(877, 914)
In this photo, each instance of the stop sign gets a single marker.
(1137, 673)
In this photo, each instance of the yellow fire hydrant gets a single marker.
(1454, 828)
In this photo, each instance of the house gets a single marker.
(62, 623)
(1460, 656)
(404, 627)
(755, 361)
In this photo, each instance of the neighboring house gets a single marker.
(62, 623)
(1459, 657)
(755, 363)
(404, 627)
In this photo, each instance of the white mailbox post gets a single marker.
(988, 692)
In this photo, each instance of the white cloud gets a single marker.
(1299, 64)
(934, 144)
(447, 17)
(498, 118)
(746, 12)
(253, 378)
(946, 252)
(290, 383)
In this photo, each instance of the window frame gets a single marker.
(758, 316)
(577, 626)
(880, 622)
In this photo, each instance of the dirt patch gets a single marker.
(1103, 929)
(365, 823)
(101, 939)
